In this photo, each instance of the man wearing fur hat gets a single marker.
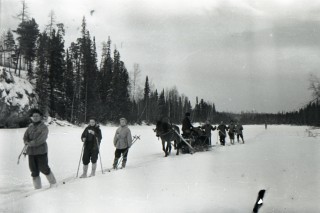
(35, 140)
(122, 141)
(186, 125)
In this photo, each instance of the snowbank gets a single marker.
(15, 91)
(17, 96)
(282, 159)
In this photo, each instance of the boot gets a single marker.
(52, 180)
(115, 163)
(85, 170)
(124, 162)
(37, 182)
(93, 171)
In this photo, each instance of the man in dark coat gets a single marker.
(222, 133)
(239, 130)
(186, 125)
(91, 136)
(207, 129)
(37, 149)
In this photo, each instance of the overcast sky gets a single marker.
(242, 55)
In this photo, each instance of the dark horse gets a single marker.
(168, 133)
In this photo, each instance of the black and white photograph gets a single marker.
(152, 106)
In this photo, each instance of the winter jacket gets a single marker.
(36, 136)
(222, 129)
(122, 138)
(186, 124)
(92, 134)
(232, 128)
(207, 129)
(239, 129)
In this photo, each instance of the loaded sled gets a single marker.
(197, 139)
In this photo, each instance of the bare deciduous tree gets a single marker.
(314, 85)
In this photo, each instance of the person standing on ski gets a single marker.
(232, 129)
(207, 129)
(37, 149)
(91, 136)
(239, 129)
(122, 142)
(222, 133)
(186, 125)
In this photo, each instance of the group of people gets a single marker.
(91, 137)
(231, 129)
(37, 149)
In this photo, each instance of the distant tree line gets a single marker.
(309, 114)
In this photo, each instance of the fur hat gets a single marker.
(33, 111)
(123, 119)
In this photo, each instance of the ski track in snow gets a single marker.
(282, 159)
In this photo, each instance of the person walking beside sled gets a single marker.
(37, 149)
(91, 136)
(122, 142)
(222, 133)
(231, 132)
(207, 129)
(186, 125)
(239, 129)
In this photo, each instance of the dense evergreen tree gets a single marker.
(9, 41)
(69, 88)
(27, 36)
(146, 96)
(42, 79)
(56, 63)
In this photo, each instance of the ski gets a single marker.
(59, 183)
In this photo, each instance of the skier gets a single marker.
(122, 141)
(37, 149)
(232, 129)
(239, 129)
(222, 133)
(91, 136)
(186, 125)
(207, 129)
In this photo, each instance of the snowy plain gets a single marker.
(284, 160)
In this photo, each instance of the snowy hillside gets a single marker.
(16, 95)
(284, 160)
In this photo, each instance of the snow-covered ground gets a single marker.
(284, 160)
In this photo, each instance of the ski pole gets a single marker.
(22, 152)
(135, 138)
(217, 137)
(99, 155)
(80, 158)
